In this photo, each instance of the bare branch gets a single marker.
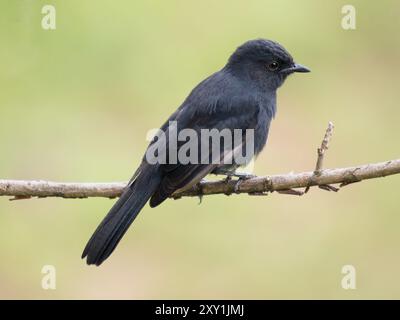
(258, 185)
(283, 183)
(21, 189)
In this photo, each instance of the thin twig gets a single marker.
(324, 146)
(321, 153)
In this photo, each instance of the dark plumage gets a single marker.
(242, 95)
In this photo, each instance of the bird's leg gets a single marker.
(241, 177)
(229, 173)
(228, 178)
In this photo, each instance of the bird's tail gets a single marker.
(116, 223)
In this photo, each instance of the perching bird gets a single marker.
(242, 95)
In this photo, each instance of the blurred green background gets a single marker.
(77, 102)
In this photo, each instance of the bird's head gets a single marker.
(264, 61)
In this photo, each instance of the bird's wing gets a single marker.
(216, 115)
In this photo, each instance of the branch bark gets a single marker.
(257, 185)
(282, 183)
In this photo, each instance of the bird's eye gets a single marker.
(273, 66)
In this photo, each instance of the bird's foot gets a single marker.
(241, 177)
(233, 174)
(227, 178)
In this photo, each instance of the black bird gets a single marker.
(242, 95)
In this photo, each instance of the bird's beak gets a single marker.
(295, 68)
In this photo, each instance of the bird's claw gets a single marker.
(228, 178)
(237, 184)
(242, 177)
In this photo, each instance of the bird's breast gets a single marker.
(264, 117)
